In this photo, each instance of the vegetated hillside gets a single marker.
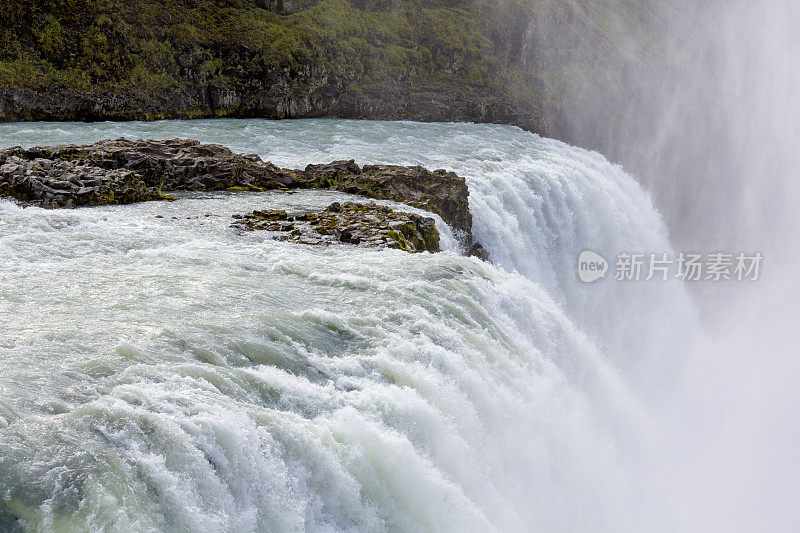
(515, 61)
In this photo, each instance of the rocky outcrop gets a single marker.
(366, 225)
(58, 183)
(125, 171)
(438, 191)
(174, 164)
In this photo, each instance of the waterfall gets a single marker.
(187, 377)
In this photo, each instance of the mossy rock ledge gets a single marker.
(366, 225)
(124, 171)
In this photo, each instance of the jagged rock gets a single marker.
(438, 191)
(477, 250)
(125, 171)
(174, 164)
(367, 225)
(59, 183)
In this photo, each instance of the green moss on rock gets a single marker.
(366, 225)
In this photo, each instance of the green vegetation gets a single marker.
(531, 52)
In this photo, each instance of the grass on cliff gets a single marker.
(146, 43)
(535, 51)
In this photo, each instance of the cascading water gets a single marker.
(171, 374)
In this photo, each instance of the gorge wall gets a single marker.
(524, 62)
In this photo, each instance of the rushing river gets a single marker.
(161, 371)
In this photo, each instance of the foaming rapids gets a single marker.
(187, 377)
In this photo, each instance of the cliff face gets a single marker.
(509, 61)
(310, 91)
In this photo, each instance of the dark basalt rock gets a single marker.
(366, 225)
(125, 171)
(174, 164)
(438, 191)
(477, 250)
(305, 91)
(58, 183)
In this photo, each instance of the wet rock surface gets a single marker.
(59, 183)
(367, 225)
(124, 171)
(170, 165)
(438, 191)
